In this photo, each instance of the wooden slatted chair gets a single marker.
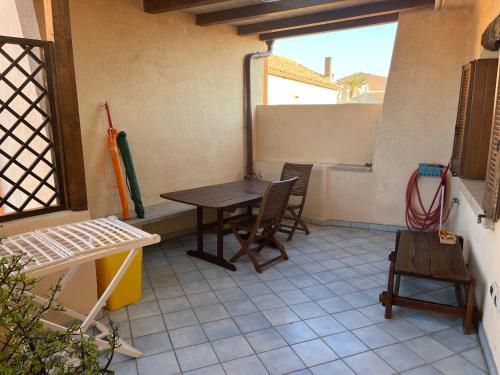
(302, 172)
(261, 228)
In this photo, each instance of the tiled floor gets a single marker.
(314, 314)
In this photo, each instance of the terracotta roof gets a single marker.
(375, 82)
(283, 67)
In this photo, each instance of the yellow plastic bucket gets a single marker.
(129, 288)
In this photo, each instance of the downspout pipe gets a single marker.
(247, 80)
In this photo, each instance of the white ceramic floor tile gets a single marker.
(299, 316)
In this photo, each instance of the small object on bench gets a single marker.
(447, 237)
(420, 254)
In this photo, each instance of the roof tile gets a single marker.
(283, 67)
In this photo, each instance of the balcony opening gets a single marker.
(349, 66)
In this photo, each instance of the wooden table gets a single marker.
(221, 197)
(420, 254)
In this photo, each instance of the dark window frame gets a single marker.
(70, 149)
(46, 65)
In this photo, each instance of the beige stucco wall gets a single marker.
(174, 87)
(418, 115)
(340, 133)
(416, 125)
(420, 102)
(482, 245)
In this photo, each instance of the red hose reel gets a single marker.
(418, 217)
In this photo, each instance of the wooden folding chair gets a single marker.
(302, 172)
(262, 228)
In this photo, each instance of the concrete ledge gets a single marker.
(169, 219)
(351, 167)
(357, 225)
(160, 212)
(473, 191)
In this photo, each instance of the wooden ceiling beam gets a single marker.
(159, 6)
(336, 15)
(336, 26)
(244, 13)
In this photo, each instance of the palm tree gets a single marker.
(353, 83)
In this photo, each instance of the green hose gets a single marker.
(133, 185)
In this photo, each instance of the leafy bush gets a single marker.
(26, 345)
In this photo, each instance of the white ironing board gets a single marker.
(68, 246)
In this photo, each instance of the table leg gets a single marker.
(200, 253)
(220, 234)
(199, 229)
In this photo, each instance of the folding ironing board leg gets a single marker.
(124, 348)
(68, 276)
(107, 292)
(89, 320)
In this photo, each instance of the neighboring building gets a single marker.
(289, 82)
(371, 90)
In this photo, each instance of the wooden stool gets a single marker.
(420, 254)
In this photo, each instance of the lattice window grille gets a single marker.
(28, 167)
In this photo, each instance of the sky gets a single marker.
(367, 49)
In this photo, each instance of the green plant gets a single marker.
(255, 176)
(353, 83)
(26, 345)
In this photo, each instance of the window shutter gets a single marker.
(491, 203)
(458, 143)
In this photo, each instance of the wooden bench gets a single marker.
(420, 254)
(159, 213)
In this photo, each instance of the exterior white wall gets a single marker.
(287, 91)
(482, 251)
(482, 245)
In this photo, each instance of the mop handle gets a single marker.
(441, 208)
